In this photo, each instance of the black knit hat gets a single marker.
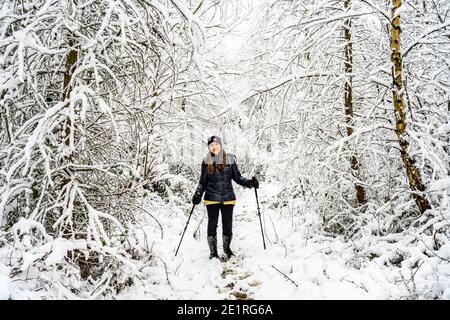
(214, 139)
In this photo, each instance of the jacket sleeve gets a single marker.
(237, 177)
(203, 180)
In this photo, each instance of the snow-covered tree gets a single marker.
(82, 84)
(327, 79)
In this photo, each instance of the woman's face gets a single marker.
(214, 147)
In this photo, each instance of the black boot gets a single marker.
(212, 242)
(226, 246)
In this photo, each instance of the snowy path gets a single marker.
(297, 264)
(292, 267)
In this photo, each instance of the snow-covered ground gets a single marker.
(315, 268)
(297, 264)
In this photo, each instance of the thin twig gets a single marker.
(167, 273)
(286, 276)
(412, 277)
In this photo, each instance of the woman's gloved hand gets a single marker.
(254, 183)
(196, 198)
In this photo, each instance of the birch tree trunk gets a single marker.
(413, 174)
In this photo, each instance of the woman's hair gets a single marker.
(212, 165)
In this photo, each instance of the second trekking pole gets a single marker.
(259, 214)
(185, 229)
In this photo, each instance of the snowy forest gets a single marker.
(340, 109)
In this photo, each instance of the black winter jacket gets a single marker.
(218, 185)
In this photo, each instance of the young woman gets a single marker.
(217, 170)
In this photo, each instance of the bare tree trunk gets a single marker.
(348, 101)
(413, 174)
(71, 59)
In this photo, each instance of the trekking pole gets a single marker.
(185, 229)
(259, 214)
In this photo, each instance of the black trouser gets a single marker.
(213, 217)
